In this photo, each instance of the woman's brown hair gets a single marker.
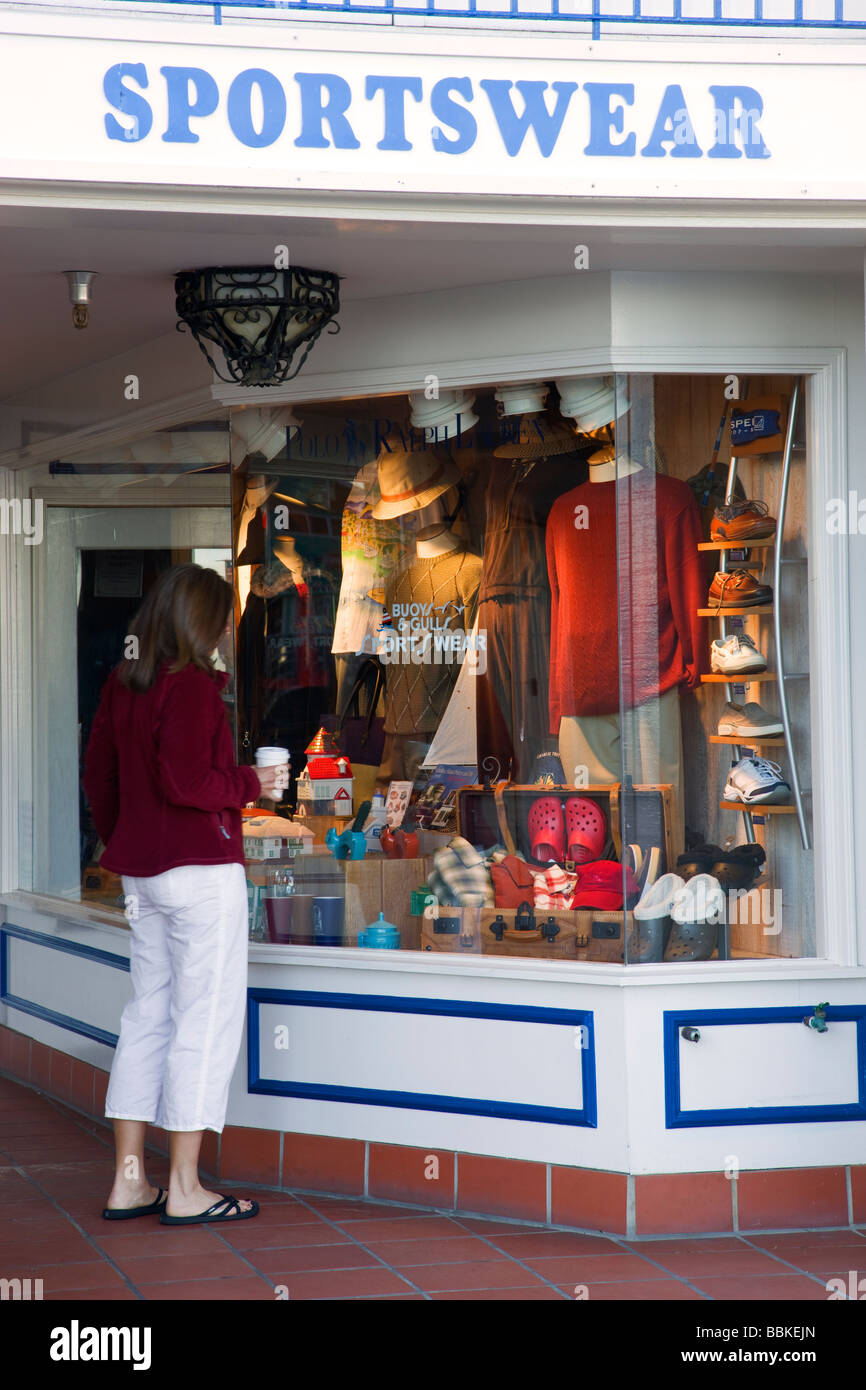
(179, 623)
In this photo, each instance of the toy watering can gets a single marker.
(351, 844)
(399, 844)
(381, 934)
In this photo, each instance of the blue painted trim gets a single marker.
(71, 948)
(678, 1118)
(585, 1117)
(593, 15)
(41, 1011)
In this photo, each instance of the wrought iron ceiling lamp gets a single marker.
(264, 321)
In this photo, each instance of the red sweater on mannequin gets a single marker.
(161, 778)
(654, 591)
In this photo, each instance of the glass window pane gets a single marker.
(114, 519)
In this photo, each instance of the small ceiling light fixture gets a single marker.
(79, 295)
(259, 318)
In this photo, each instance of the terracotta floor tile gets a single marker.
(643, 1291)
(276, 1215)
(739, 1262)
(208, 1290)
(278, 1264)
(344, 1283)
(470, 1274)
(540, 1243)
(248, 1235)
(13, 1126)
(64, 1248)
(157, 1269)
(420, 1228)
(831, 1262)
(806, 1240)
(392, 1298)
(682, 1245)
(491, 1228)
(28, 1150)
(336, 1210)
(789, 1287)
(402, 1254)
(80, 1275)
(537, 1293)
(152, 1239)
(591, 1269)
(119, 1293)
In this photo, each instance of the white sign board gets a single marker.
(379, 110)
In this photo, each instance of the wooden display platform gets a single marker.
(759, 810)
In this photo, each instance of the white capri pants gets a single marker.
(181, 1031)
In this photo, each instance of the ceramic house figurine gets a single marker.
(325, 785)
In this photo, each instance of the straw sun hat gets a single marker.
(412, 479)
(538, 438)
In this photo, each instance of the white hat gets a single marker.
(263, 430)
(590, 400)
(522, 397)
(443, 417)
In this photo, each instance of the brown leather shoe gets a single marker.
(737, 589)
(742, 521)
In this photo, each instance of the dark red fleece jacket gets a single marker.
(626, 583)
(161, 778)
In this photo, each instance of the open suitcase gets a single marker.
(641, 815)
(635, 815)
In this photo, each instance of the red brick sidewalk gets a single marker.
(55, 1171)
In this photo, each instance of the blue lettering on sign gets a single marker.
(256, 109)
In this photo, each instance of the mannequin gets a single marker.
(433, 594)
(436, 540)
(527, 475)
(627, 537)
(284, 641)
(369, 551)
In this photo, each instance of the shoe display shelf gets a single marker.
(735, 612)
(742, 745)
(771, 741)
(740, 677)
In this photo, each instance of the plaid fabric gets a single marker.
(460, 877)
(554, 888)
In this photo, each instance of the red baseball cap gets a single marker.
(600, 885)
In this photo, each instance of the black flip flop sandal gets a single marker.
(220, 1211)
(129, 1213)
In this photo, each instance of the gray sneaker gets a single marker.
(749, 720)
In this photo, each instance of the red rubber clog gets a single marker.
(585, 830)
(546, 830)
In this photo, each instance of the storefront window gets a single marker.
(480, 623)
(537, 669)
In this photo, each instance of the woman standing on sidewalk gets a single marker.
(165, 793)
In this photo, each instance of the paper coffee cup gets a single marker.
(275, 757)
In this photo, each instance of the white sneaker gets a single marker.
(757, 782)
(749, 719)
(736, 654)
